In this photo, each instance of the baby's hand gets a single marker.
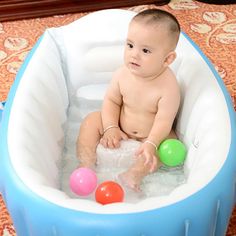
(112, 137)
(148, 152)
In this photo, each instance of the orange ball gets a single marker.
(109, 192)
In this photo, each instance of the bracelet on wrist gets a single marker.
(110, 127)
(153, 144)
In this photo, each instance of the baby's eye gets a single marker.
(130, 45)
(146, 50)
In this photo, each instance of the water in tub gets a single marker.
(111, 162)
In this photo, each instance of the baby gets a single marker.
(142, 99)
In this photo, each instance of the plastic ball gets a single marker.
(83, 181)
(109, 192)
(172, 152)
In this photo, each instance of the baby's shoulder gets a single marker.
(169, 83)
(118, 76)
(172, 88)
(170, 78)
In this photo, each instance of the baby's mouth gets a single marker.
(134, 64)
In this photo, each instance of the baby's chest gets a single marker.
(141, 97)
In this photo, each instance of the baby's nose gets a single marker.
(135, 53)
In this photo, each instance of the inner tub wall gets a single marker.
(38, 114)
(41, 99)
(31, 212)
(107, 40)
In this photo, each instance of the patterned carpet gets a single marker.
(212, 27)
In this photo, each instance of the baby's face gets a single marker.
(146, 49)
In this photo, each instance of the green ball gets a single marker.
(172, 152)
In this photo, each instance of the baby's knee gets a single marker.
(93, 120)
(93, 115)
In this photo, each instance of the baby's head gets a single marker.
(163, 20)
(152, 38)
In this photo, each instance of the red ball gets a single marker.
(109, 192)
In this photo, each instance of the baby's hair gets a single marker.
(152, 16)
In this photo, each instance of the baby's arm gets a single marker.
(168, 106)
(167, 109)
(111, 113)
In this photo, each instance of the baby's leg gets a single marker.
(132, 178)
(88, 139)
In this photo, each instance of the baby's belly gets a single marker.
(136, 126)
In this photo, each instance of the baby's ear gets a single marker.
(170, 58)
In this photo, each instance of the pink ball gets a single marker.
(83, 181)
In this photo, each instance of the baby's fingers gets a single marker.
(124, 136)
(115, 143)
(104, 142)
(154, 165)
(138, 152)
(151, 162)
(148, 160)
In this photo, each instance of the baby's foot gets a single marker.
(130, 180)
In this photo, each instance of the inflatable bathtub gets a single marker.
(73, 64)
